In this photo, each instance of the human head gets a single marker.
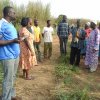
(35, 22)
(72, 26)
(93, 24)
(64, 18)
(24, 22)
(88, 23)
(78, 23)
(29, 22)
(99, 26)
(8, 12)
(48, 23)
(86, 26)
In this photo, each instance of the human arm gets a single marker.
(25, 33)
(43, 32)
(6, 42)
(58, 30)
(29, 46)
(81, 34)
(40, 37)
(97, 40)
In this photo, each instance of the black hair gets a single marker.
(6, 10)
(78, 20)
(29, 18)
(48, 21)
(35, 20)
(24, 21)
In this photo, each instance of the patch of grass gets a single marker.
(72, 80)
(1, 77)
(75, 94)
(1, 73)
(61, 70)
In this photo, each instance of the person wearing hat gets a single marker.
(91, 59)
(87, 29)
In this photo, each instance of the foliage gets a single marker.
(35, 10)
(75, 94)
(1, 73)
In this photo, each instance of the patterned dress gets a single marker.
(93, 43)
(26, 59)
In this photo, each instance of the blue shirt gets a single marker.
(80, 43)
(8, 32)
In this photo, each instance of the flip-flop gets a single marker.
(30, 78)
(36, 65)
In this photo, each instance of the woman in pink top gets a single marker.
(87, 29)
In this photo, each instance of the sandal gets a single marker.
(29, 78)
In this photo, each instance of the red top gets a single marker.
(88, 32)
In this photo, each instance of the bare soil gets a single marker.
(44, 84)
(44, 79)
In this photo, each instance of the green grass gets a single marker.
(1, 77)
(74, 83)
(1, 74)
(75, 94)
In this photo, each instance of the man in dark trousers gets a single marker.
(78, 36)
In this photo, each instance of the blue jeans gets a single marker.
(9, 69)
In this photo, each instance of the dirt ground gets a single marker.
(44, 83)
(44, 79)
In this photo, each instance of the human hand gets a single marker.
(16, 40)
(24, 37)
(94, 50)
(32, 53)
(39, 41)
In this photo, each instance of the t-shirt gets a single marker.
(47, 31)
(37, 33)
(8, 32)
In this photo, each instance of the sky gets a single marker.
(88, 9)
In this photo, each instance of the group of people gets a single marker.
(22, 48)
(85, 42)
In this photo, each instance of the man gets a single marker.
(62, 32)
(47, 34)
(92, 51)
(78, 36)
(9, 53)
(37, 38)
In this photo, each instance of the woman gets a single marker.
(27, 57)
(87, 33)
(99, 44)
(92, 50)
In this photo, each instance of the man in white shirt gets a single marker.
(47, 34)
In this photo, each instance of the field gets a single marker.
(55, 79)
